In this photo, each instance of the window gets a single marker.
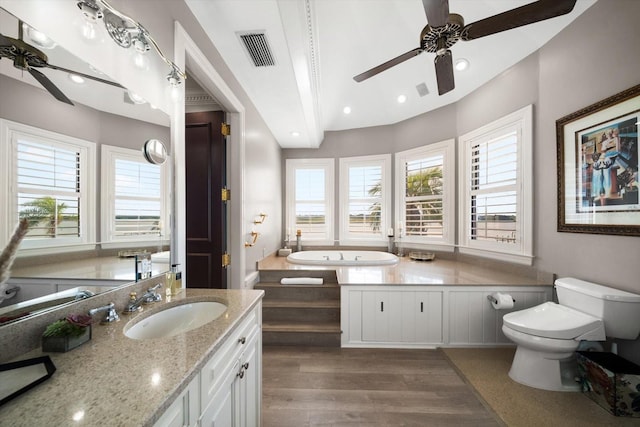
(365, 199)
(134, 197)
(425, 188)
(495, 190)
(49, 184)
(310, 199)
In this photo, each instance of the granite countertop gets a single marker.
(410, 272)
(101, 268)
(117, 381)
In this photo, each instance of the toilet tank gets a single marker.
(619, 310)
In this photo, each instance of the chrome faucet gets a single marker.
(341, 256)
(134, 303)
(110, 313)
(149, 297)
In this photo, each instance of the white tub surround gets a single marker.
(346, 257)
(115, 380)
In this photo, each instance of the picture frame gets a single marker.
(597, 166)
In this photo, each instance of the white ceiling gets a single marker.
(97, 95)
(319, 45)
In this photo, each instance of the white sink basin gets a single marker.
(175, 320)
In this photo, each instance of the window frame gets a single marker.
(109, 155)
(445, 243)
(381, 238)
(520, 252)
(9, 132)
(291, 165)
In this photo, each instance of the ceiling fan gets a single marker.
(27, 57)
(444, 30)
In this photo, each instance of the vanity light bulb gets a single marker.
(89, 31)
(141, 61)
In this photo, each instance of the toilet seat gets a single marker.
(551, 320)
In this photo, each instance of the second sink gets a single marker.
(175, 320)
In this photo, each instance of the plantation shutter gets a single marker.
(48, 189)
(494, 179)
(423, 198)
(137, 199)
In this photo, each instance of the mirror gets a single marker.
(106, 115)
(155, 152)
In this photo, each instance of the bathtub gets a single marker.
(336, 257)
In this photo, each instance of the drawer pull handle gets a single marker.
(242, 340)
(381, 306)
(421, 307)
(242, 369)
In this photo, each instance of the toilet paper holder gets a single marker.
(494, 300)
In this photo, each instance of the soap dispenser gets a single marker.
(174, 280)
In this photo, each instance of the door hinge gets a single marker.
(226, 194)
(226, 260)
(225, 129)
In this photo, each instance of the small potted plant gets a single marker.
(66, 334)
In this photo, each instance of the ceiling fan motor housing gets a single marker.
(439, 39)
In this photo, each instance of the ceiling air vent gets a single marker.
(422, 89)
(258, 48)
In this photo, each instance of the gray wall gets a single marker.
(262, 159)
(23, 103)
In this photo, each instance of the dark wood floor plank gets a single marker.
(313, 386)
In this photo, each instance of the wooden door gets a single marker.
(205, 211)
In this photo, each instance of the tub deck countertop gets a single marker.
(409, 272)
(99, 268)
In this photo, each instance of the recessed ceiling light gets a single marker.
(76, 79)
(346, 110)
(40, 39)
(462, 64)
(295, 134)
(402, 99)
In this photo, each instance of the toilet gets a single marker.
(548, 334)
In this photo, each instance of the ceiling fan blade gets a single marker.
(437, 12)
(48, 85)
(518, 17)
(444, 72)
(86, 76)
(385, 66)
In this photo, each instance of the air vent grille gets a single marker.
(422, 89)
(258, 48)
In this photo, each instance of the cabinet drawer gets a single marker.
(215, 370)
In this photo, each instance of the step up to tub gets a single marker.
(276, 291)
(301, 333)
(274, 276)
(320, 311)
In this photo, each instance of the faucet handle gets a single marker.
(110, 313)
(151, 295)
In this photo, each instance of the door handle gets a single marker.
(421, 307)
(381, 306)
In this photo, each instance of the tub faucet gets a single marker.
(110, 313)
(341, 256)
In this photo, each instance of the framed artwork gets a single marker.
(597, 154)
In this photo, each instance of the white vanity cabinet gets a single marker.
(428, 316)
(184, 410)
(404, 317)
(228, 391)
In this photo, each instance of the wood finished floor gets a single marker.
(316, 386)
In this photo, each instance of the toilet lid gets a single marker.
(551, 320)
